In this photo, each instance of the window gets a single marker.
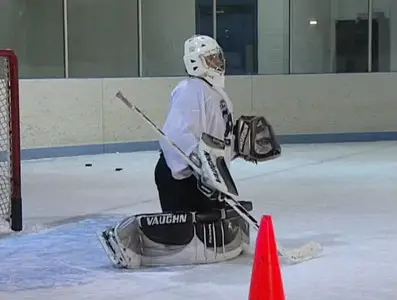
(102, 38)
(205, 17)
(130, 38)
(166, 24)
(329, 36)
(384, 35)
(235, 25)
(34, 29)
(350, 36)
(236, 32)
(273, 36)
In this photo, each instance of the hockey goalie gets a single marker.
(196, 225)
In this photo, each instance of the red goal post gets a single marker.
(10, 149)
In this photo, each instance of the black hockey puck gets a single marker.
(88, 165)
(118, 169)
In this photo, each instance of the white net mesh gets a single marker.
(5, 139)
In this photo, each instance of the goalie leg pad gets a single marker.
(167, 239)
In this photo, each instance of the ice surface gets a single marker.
(341, 195)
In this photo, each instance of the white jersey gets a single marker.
(196, 107)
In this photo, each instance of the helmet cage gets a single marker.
(214, 60)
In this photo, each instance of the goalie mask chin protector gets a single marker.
(255, 139)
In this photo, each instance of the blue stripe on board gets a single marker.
(66, 151)
(338, 137)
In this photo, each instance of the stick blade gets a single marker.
(304, 253)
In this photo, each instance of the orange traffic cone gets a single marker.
(266, 279)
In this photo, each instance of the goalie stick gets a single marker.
(291, 256)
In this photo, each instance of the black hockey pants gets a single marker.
(180, 195)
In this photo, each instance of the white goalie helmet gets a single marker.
(203, 57)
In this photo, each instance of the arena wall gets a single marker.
(62, 117)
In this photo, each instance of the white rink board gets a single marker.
(73, 112)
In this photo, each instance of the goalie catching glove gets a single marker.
(255, 140)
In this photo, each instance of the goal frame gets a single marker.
(15, 220)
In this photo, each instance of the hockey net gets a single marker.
(10, 175)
